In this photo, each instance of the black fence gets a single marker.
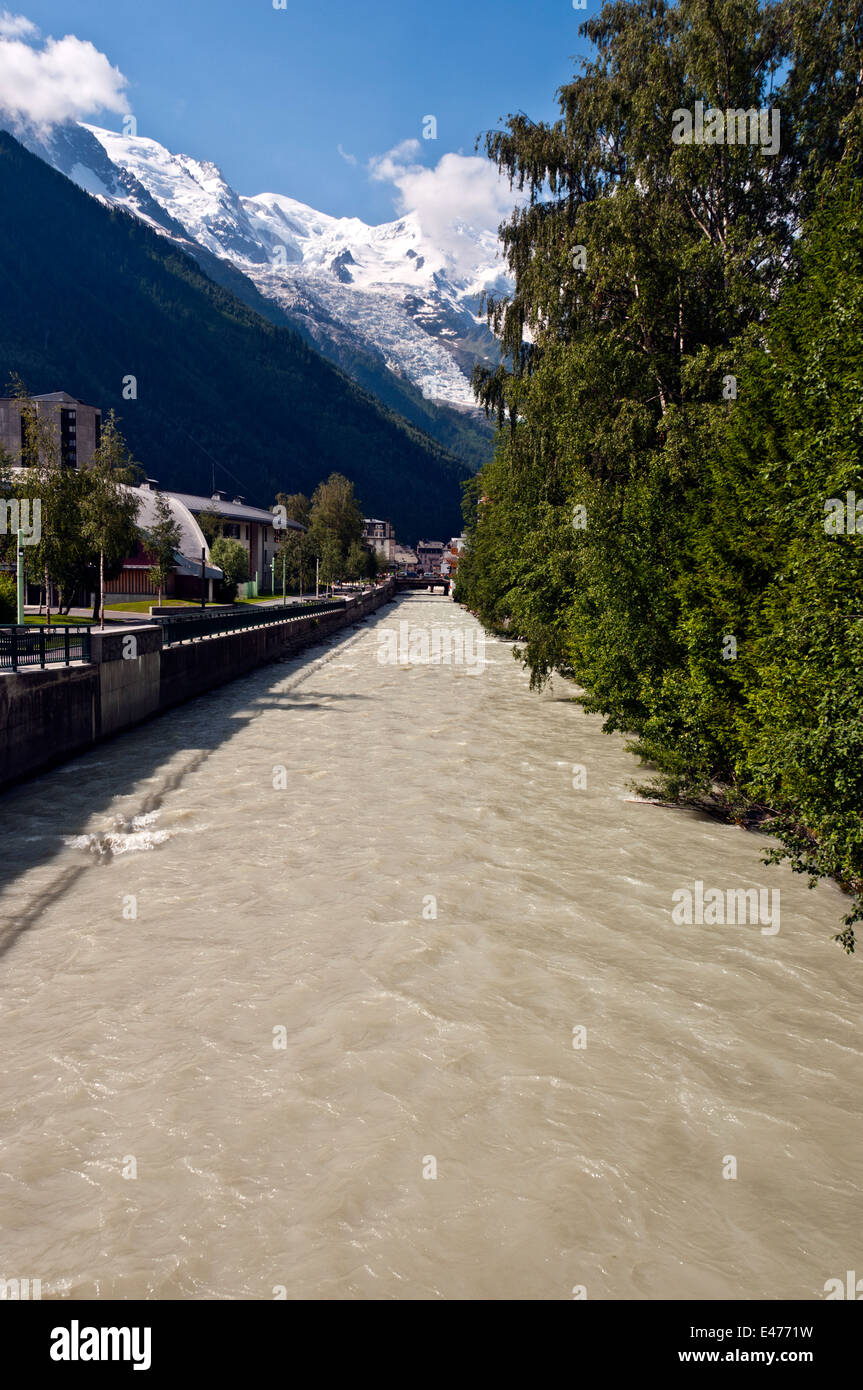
(43, 646)
(176, 630)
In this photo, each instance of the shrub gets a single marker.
(8, 598)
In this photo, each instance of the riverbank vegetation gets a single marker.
(671, 516)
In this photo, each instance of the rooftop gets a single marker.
(51, 397)
(237, 510)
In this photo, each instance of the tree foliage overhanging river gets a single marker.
(675, 509)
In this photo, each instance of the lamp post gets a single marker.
(20, 580)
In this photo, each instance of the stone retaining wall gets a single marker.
(48, 716)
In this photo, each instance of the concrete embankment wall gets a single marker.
(48, 716)
(194, 667)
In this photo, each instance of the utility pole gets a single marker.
(203, 578)
(317, 575)
(284, 587)
(20, 580)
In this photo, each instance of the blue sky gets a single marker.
(270, 95)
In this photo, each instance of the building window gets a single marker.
(68, 438)
(232, 530)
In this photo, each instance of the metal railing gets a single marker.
(176, 630)
(43, 646)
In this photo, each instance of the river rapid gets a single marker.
(359, 979)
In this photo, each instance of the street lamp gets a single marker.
(20, 586)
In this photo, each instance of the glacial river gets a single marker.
(341, 983)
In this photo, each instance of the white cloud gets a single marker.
(44, 82)
(459, 191)
(12, 26)
(348, 158)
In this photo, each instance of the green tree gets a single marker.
(109, 507)
(296, 505)
(332, 560)
(8, 541)
(210, 523)
(357, 561)
(290, 551)
(292, 547)
(61, 555)
(232, 558)
(8, 598)
(163, 541)
(335, 514)
(781, 561)
(373, 565)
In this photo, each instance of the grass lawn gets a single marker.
(32, 620)
(144, 605)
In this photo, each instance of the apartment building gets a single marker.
(74, 427)
(405, 558)
(451, 555)
(252, 526)
(430, 556)
(380, 537)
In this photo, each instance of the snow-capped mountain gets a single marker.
(385, 291)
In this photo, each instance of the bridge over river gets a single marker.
(431, 583)
(358, 976)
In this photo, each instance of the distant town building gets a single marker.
(451, 554)
(75, 426)
(430, 556)
(380, 537)
(405, 558)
